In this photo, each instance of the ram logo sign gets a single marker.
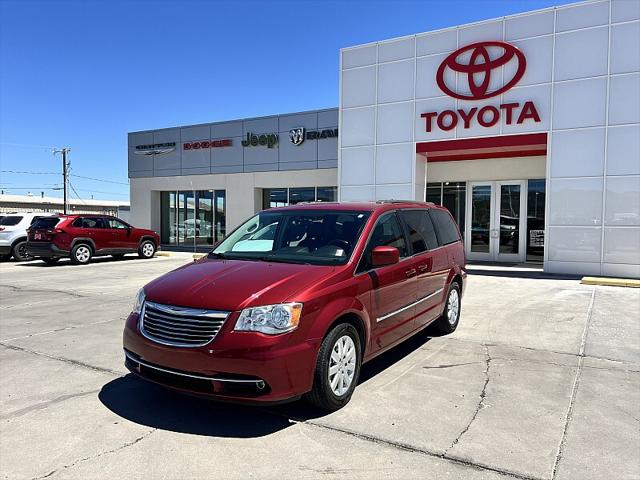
(296, 135)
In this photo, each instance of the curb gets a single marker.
(162, 254)
(611, 282)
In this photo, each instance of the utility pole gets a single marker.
(65, 176)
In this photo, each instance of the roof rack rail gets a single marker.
(403, 201)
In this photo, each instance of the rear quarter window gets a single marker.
(446, 228)
(422, 234)
(10, 220)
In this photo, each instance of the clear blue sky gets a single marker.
(84, 73)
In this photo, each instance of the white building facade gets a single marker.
(527, 127)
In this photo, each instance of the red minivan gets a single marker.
(83, 236)
(296, 299)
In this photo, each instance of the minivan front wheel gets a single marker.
(448, 322)
(337, 368)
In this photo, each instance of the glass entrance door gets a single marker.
(494, 229)
(193, 218)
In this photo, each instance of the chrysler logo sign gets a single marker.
(155, 148)
(479, 68)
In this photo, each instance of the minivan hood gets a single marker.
(233, 284)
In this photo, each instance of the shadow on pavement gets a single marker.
(149, 404)
(65, 262)
(518, 273)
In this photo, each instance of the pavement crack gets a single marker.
(574, 389)
(413, 449)
(61, 329)
(451, 365)
(542, 350)
(480, 405)
(42, 290)
(98, 455)
(43, 405)
(63, 359)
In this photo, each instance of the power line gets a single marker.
(71, 175)
(31, 188)
(106, 193)
(77, 194)
(30, 173)
(99, 179)
(27, 145)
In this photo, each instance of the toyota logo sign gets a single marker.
(479, 68)
(478, 63)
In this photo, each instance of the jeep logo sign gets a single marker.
(253, 140)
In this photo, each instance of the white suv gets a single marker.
(13, 234)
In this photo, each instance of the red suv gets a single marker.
(82, 237)
(296, 299)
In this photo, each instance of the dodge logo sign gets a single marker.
(296, 135)
(479, 67)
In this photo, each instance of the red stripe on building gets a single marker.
(503, 146)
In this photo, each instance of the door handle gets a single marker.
(411, 272)
(423, 268)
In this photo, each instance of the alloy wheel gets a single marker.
(453, 306)
(22, 252)
(342, 365)
(147, 250)
(83, 254)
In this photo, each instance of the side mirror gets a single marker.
(383, 255)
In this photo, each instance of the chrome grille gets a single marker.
(180, 326)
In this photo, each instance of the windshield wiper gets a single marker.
(217, 255)
(270, 258)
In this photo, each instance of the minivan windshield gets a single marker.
(316, 237)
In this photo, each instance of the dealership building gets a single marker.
(526, 127)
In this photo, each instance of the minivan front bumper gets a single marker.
(245, 367)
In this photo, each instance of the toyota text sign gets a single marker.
(474, 66)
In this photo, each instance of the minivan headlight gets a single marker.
(139, 301)
(270, 319)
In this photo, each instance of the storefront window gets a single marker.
(327, 194)
(297, 195)
(221, 215)
(281, 197)
(535, 220)
(275, 197)
(451, 195)
(188, 218)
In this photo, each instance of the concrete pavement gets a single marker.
(540, 381)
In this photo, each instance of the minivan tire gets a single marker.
(448, 321)
(19, 251)
(81, 254)
(147, 249)
(322, 394)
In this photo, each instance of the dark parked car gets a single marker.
(268, 318)
(81, 237)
